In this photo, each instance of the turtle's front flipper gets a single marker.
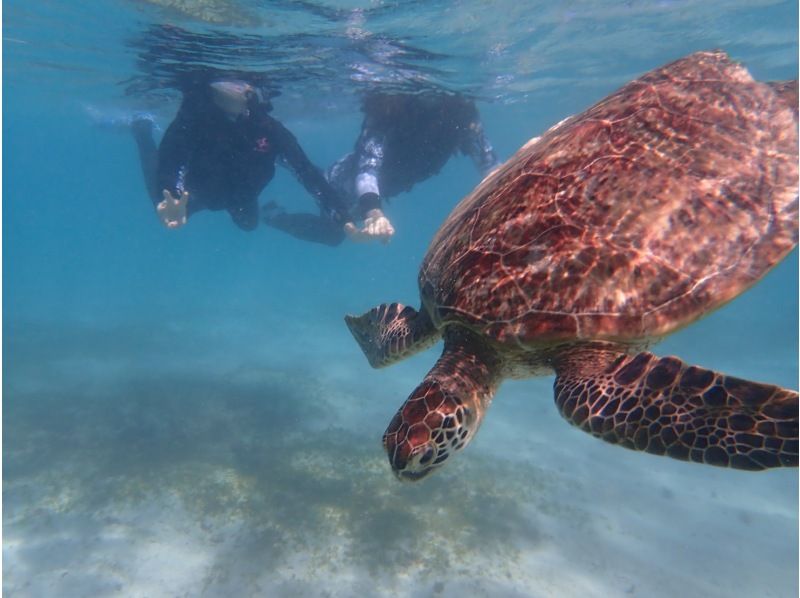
(663, 406)
(443, 413)
(391, 332)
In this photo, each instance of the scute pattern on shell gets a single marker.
(630, 220)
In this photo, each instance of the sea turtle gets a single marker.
(615, 228)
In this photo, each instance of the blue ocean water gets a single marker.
(185, 412)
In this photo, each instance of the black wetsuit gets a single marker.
(225, 164)
(405, 139)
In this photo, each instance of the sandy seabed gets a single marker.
(256, 481)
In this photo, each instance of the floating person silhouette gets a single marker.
(219, 153)
(405, 139)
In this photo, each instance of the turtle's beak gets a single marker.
(412, 476)
(409, 464)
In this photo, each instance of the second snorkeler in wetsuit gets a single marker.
(219, 153)
(404, 139)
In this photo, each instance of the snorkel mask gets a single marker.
(235, 98)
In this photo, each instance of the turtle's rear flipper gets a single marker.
(663, 406)
(391, 332)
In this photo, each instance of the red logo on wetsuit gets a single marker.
(262, 145)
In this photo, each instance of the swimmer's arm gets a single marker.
(479, 149)
(173, 155)
(309, 175)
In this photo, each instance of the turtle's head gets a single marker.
(427, 430)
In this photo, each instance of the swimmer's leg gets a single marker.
(306, 227)
(245, 216)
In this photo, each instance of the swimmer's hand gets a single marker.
(172, 211)
(376, 226)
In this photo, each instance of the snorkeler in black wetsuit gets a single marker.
(219, 153)
(404, 140)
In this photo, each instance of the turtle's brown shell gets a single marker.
(636, 217)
